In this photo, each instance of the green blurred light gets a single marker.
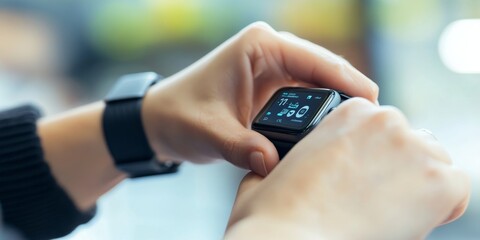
(121, 30)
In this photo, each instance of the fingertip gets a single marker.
(263, 156)
(371, 90)
(263, 162)
(250, 150)
(375, 92)
(368, 89)
(425, 133)
(270, 164)
(257, 163)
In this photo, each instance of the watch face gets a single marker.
(293, 108)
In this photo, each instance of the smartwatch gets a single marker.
(123, 127)
(293, 112)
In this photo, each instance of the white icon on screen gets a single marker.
(293, 105)
(302, 111)
(283, 112)
(290, 113)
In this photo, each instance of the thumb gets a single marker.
(249, 149)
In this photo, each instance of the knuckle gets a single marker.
(349, 114)
(287, 34)
(391, 109)
(230, 146)
(342, 61)
(261, 25)
(389, 117)
(433, 173)
(352, 108)
(381, 118)
(340, 67)
(438, 180)
(354, 104)
(391, 123)
(257, 29)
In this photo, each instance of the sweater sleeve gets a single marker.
(31, 200)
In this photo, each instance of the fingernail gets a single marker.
(377, 103)
(257, 163)
(428, 133)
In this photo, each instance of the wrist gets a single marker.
(77, 154)
(154, 119)
(124, 126)
(261, 227)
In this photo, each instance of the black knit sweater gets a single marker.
(31, 201)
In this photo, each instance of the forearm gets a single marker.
(78, 156)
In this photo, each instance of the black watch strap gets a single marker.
(282, 147)
(123, 127)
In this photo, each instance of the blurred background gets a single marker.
(425, 55)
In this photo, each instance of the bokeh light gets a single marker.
(459, 46)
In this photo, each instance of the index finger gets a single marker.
(316, 65)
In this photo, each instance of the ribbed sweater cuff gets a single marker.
(31, 200)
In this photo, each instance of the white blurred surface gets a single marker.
(195, 203)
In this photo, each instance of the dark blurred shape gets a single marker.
(71, 52)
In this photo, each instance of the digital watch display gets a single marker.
(291, 113)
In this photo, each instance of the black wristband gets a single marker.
(124, 131)
(282, 147)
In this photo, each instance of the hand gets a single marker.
(204, 112)
(361, 174)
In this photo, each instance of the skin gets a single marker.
(362, 165)
(201, 114)
(361, 161)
